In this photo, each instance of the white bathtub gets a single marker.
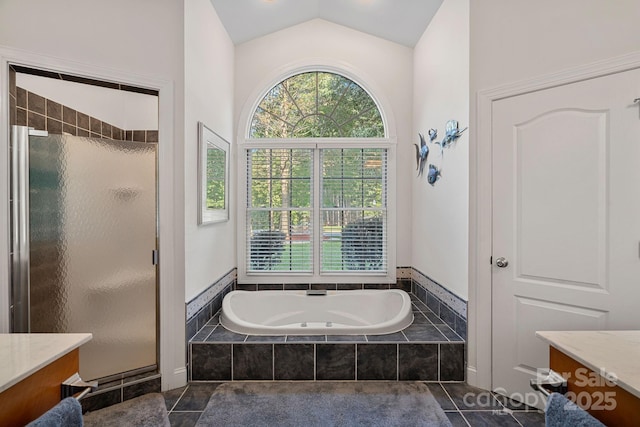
(357, 312)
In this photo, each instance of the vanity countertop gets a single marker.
(23, 354)
(609, 353)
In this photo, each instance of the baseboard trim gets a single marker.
(176, 380)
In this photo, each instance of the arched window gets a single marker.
(316, 105)
(316, 209)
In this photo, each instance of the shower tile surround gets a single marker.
(121, 388)
(30, 109)
(431, 349)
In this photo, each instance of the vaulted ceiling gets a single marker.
(400, 21)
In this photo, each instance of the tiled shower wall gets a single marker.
(12, 97)
(30, 109)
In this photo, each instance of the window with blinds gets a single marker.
(350, 217)
(316, 209)
(279, 209)
(353, 209)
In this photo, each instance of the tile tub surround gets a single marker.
(428, 350)
(206, 304)
(404, 284)
(438, 330)
(451, 308)
(203, 307)
(444, 304)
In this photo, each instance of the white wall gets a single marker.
(440, 216)
(381, 66)
(142, 37)
(209, 81)
(142, 40)
(513, 41)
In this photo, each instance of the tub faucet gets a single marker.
(311, 292)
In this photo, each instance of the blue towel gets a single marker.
(561, 412)
(67, 413)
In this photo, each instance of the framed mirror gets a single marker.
(213, 176)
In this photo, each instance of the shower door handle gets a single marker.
(154, 257)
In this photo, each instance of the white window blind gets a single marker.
(350, 216)
(279, 210)
(354, 210)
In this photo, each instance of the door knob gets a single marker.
(502, 262)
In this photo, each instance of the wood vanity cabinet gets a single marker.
(32, 368)
(602, 369)
(611, 404)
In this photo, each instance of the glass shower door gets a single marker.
(91, 236)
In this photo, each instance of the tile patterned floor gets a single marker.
(464, 406)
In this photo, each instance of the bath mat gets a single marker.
(323, 404)
(147, 410)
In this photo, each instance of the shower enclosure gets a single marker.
(84, 236)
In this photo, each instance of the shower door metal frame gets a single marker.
(20, 284)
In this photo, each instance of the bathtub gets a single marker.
(357, 312)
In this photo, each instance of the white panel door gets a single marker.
(566, 218)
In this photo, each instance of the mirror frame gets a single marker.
(209, 140)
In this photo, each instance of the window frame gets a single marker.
(316, 276)
(245, 143)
